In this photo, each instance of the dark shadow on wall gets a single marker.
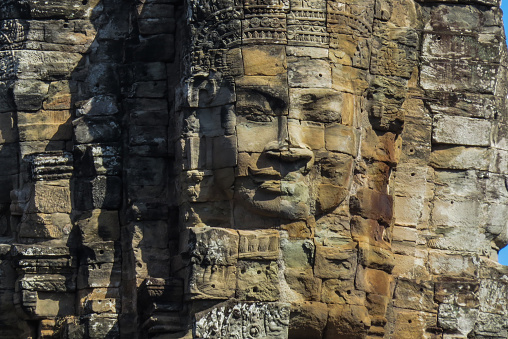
(95, 113)
(51, 110)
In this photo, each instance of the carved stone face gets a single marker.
(282, 153)
(276, 138)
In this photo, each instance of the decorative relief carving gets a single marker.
(244, 321)
(12, 35)
(307, 23)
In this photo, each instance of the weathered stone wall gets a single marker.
(252, 169)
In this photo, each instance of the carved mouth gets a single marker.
(267, 173)
(272, 181)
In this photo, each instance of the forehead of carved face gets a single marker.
(275, 137)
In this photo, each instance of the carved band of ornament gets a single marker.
(272, 35)
(264, 10)
(51, 166)
(218, 36)
(308, 29)
(267, 3)
(305, 14)
(229, 13)
(266, 23)
(341, 23)
(308, 39)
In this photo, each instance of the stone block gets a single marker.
(152, 26)
(148, 234)
(100, 252)
(254, 136)
(102, 192)
(264, 60)
(317, 104)
(350, 50)
(97, 159)
(461, 130)
(44, 125)
(373, 281)
(97, 129)
(49, 226)
(452, 265)
(224, 152)
(405, 234)
(47, 283)
(464, 292)
(50, 197)
(349, 79)
(407, 266)
(149, 89)
(260, 244)
(99, 275)
(29, 94)
(60, 94)
(148, 140)
(146, 171)
(98, 225)
(372, 204)
(408, 324)
(148, 49)
(46, 65)
(336, 262)
(418, 296)
(55, 304)
(102, 326)
(407, 211)
(308, 320)
(156, 10)
(297, 254)
(311, 134)
(304, 72)
(203, 186)
(258, 280)
(208, 281)
(460, 157)
(211, 246)
(208, 92)
(435, 75)
(456, 318)
(341, 138)
(8, 130)
(380, 146)
(212, 213)
(376, 257)
(99, 300)
(333, 230)
(337, 291)
(99, 105)
(347, 320)
(302, 283)
(299, 229)
(463, 214)
(490, 325)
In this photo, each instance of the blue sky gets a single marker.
(503, 254)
